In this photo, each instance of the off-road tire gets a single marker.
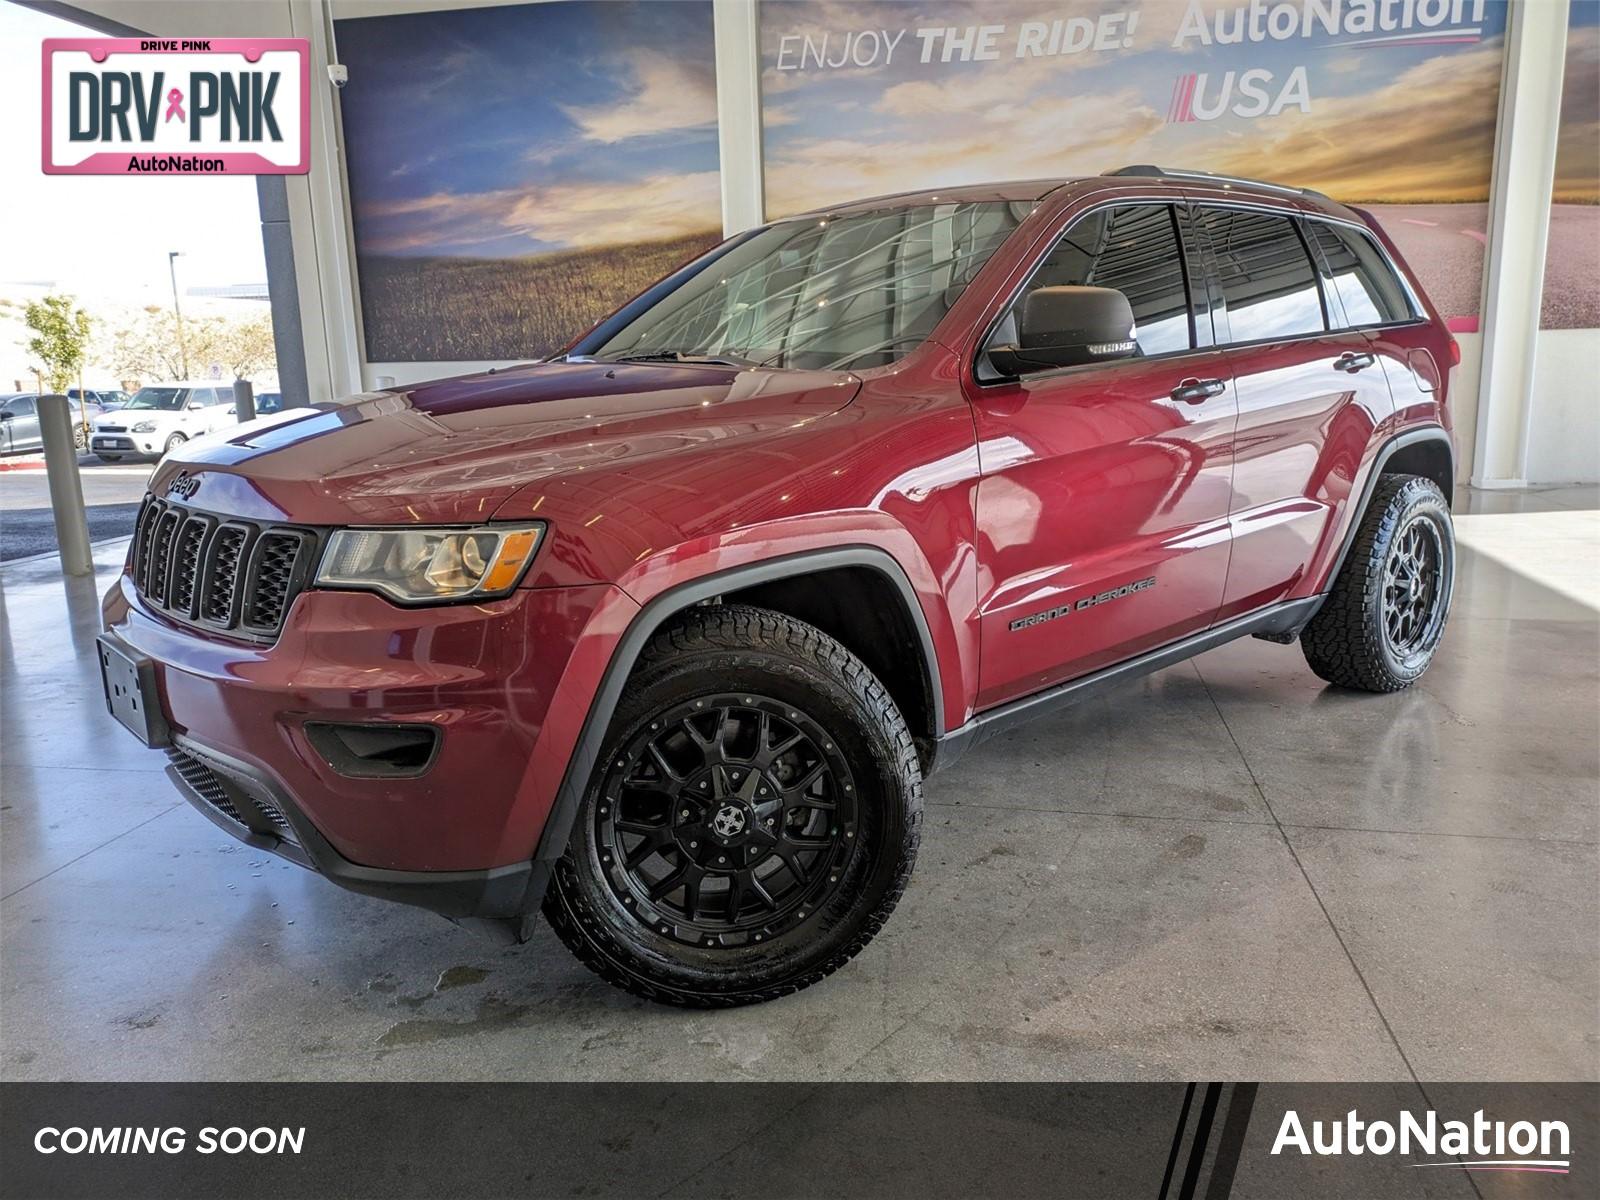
(1346, 643)
(728, 649)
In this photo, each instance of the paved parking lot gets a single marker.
(1227, 870)
(111, 493)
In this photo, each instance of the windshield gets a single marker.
(834, 292)
(168, 399)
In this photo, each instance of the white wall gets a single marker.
(1564, 422)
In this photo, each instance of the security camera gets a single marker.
(338, 74)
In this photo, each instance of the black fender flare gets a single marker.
(597, 723)
(1400, 441)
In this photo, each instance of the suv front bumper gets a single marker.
(247, 804)
(505, 683)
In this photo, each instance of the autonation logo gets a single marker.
(1481, 1145)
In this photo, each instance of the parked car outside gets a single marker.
(660, 637)
(159, 418)
(19, 422)
(107, 398)
(268, 402)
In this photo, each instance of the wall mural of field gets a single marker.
(517, 172)
(443, 309)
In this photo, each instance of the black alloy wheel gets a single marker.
(726, 819)
(1413, 581)
(752, 821)
(1385, 614)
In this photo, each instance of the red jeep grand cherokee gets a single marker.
(662, 635)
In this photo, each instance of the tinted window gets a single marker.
(1267, 278)
(22, 406)
(1135, 250)
(858, 290)
(1360, 275)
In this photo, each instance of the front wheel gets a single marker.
(173, 443)
(752, 822)
(1381, 624)
(80, 439)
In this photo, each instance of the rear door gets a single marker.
(223, 414)
(1103, 503)
(1310, 393)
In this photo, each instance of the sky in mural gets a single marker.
(514, 130)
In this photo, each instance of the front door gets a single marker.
(1103, 504)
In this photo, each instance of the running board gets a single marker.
(1280, 619)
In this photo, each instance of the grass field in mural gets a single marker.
(444, 309)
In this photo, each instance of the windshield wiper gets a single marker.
(686, 356)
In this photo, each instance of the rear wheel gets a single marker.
(1381, 624)
(752, 822)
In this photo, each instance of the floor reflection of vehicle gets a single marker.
(19, 422)
(159, 418)
(660, 636)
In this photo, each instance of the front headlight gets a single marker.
(430, 566)
(144, 427)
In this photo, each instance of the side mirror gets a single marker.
(6, 414)
(1067, 327)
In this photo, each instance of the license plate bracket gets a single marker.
(132, 697)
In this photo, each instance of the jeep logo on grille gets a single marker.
(184, 485)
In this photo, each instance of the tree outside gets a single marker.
(146, 346)
(60, 340)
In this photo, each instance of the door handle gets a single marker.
(1198, 391)
(1351, 362)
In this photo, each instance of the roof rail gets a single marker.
(1150, 171)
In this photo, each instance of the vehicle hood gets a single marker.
(453, 451)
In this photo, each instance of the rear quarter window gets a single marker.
(1360, 276)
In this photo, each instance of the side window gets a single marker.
(1134, 249)
(23, 406)
(1360, 275)
(1268, 282)
(204, 397)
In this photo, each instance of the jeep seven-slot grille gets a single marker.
(218, 572)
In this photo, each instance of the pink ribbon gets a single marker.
(175, 105)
